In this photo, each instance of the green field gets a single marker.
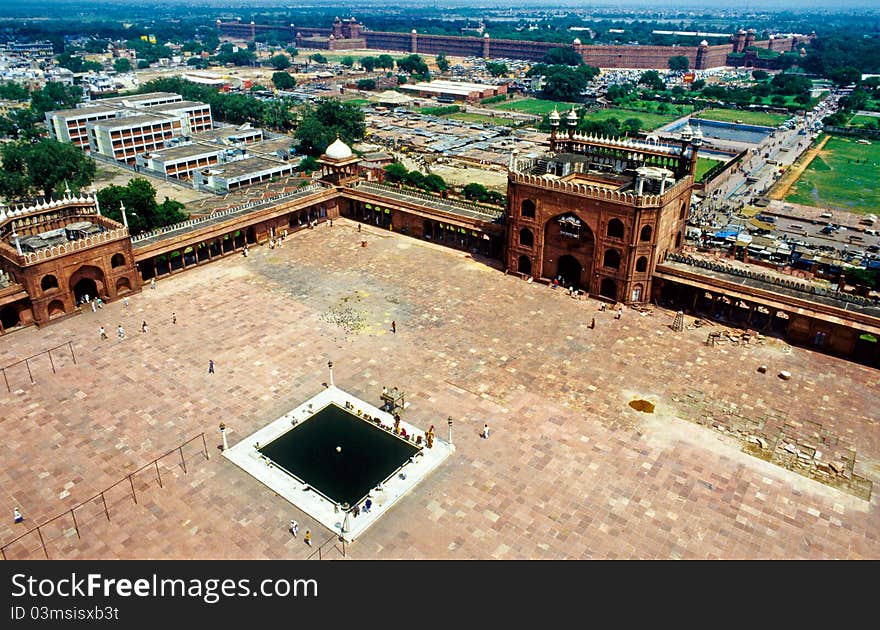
(533, 106)
(844, 176)
(655, 107)
(649, 121)
(745, 116)
(359, 102)
(481, 118)
(703, 165)
(861, 120)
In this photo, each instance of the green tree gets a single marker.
(631, 126)
(386, 62)
(434, 183)
(395, 173)
(369, 63)
(679, 63)
(475, 191)
(277, 115)
(562, 55)
(760, 75)
(30, 168)
(292, 51)
(318, 58)
(347, 61)
(143, 63)
(415, 179)
(563, 83)
(14, 91)
(322, 124)
(366, 84)
(280, 62)
(283, 81)
(141, 210)
(53, 96)
(413, 64)
(308, 164)
(442, 62)
(122, 65)
(652, 80)
(698, 85)
(496, 69)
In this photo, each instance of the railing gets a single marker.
(102, 496)
(320, 551)
(789, 284)
(470, 207)
(27, 365)
(251, 205)
(74, 246)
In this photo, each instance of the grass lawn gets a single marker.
(532, 106)
(746, 116)
(653, 106)
(482, 118)
(649, 121)
(360, 102)
(703, 165)
(844, 176)
(861, 120)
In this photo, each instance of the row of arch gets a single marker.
(615, 228)
(49, 282)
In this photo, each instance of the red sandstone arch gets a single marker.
(49, 282)
(123, 285)
(118, 260)
(92, 273)
(55, 308)
(568, 234)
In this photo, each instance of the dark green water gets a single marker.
(368, 456)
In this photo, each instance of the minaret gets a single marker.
(554, 125)
(572, 120)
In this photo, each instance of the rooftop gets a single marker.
(244, 167)
(140, 120)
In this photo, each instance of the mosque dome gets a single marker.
(704, 43)
(338, 150)
(577, 41)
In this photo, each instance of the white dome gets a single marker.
(577, 41)
(338, 150)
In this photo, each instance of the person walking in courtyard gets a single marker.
(16, 515)
(485, 433)
(152, 283)
(144, 326)
(308, 538)
(593, 323)
(173, 318)
(294, 528)
(393, 326)
(619, 313)
(102, 332)
(125, 302)
(94, 308)
(210, 366)
(120, 332)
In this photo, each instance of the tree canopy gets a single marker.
(283, 81)
(280, 61)
(442, 62)
(496, 69)
(413, 64)
(679, 63)
(562, 55)
(321, 125)
(43, 167)
(141, 210)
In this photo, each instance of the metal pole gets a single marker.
(51, 362)
(106, 511)
(70, 345)
(133, 494)
(42, 542)
(75, 526)
(157, 473)
(28, 366)
(182, 460)
(205, 444)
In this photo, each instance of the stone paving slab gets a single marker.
(570, 470)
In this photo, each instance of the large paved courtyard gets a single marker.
(570, 470)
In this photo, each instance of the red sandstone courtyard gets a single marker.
(570, 469)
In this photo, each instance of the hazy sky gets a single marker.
(648, 5)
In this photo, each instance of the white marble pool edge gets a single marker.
(245, 455)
